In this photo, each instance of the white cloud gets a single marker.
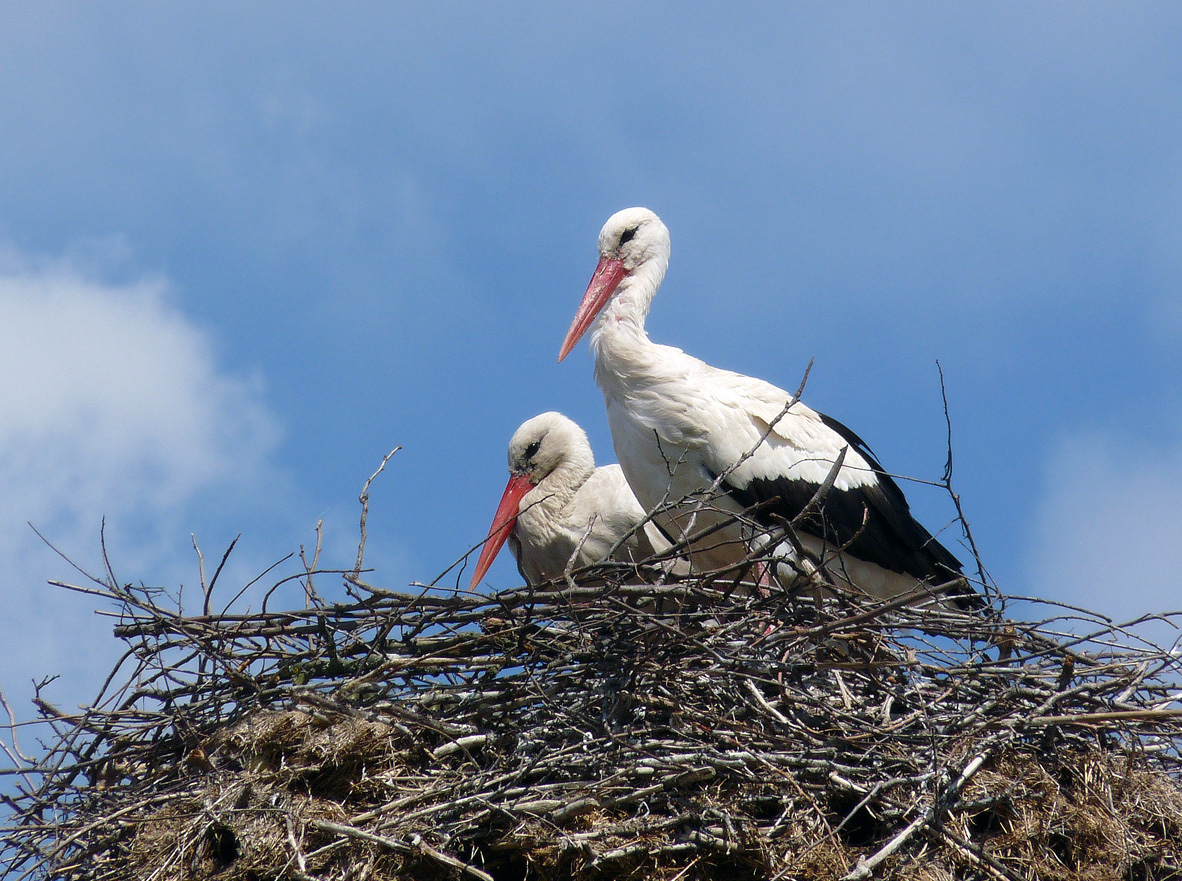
(1109, 533)
(112, 404)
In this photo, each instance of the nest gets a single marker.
(597, 728)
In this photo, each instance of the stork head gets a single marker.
(545, 444)
(628, 241)
(549, 444)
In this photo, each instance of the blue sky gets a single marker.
(246, 250)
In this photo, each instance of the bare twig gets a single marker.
(311, 598)
(364, 499)
(946, 482)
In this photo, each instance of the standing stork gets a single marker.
(716, 443)
(558, 509)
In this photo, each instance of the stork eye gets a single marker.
(628, 235)
(532, 449)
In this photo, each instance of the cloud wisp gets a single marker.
(112, 405)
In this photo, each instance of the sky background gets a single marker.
(246, 249)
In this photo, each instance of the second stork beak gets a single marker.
(608, 275)
(503, 522)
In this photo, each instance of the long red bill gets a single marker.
(608, 275)
(502, 525)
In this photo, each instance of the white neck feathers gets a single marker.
(620, 326)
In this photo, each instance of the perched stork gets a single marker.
(558, 505)
(717, 443)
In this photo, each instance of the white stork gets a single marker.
(558, 505)
(682, 428)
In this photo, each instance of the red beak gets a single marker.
(503, 523)
(608, 275)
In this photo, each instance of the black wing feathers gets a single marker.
(888, 498)
(873, 521)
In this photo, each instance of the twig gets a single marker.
(364, 499)
(311, 598)
(947, 483)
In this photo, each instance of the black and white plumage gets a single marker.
(679, 425)
(558, 505)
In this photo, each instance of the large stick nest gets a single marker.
(679, 730)
(617, 722)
